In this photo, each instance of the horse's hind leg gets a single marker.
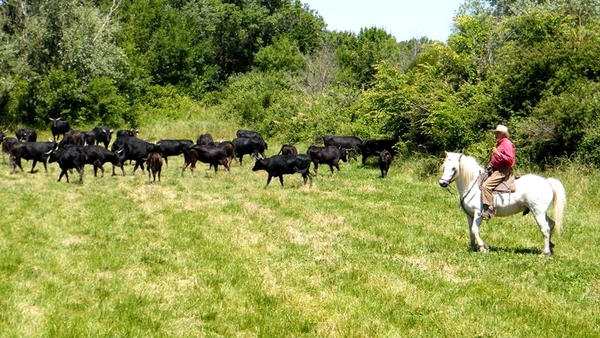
(546, 224)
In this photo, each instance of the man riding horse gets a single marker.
(502, 162)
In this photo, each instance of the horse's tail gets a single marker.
(560, 201)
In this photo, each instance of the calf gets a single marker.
(154, 165)
(214, 155)
(97, 156)
(374, 147)
(228, 147)
(72, 137)
(59, 128)
(68, 157)
(173, 148)
(351, 143)
(288, 149)
(26, 135)
(35, 151)
(280, 165)
(252, 146)
(329, 155)
(7, 145)
(103, 135)
(385, 160)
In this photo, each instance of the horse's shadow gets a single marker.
(518, 251)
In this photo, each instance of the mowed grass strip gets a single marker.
(221, 254)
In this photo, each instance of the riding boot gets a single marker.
(488, 212)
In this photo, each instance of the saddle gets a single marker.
(506, 186)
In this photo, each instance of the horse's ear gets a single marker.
(445, 152)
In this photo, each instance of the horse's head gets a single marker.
(450, 169)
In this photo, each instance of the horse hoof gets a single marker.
(484, 249)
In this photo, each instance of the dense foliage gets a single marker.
(273, 66)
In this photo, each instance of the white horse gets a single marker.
(533, 193)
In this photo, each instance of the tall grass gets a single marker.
(223, 255)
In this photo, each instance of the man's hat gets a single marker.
(501, 129)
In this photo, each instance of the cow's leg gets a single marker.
(281, 179)
(184, 166)
(225, 163)
(166, 161)
(159, 174)
(80, 171)
(316, 168)
(14, 164)
(269, 179)
(33, 166)
(63, 172)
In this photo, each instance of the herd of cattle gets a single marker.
(72, 149)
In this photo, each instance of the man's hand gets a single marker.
(495, 151)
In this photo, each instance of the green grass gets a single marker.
(223, 255)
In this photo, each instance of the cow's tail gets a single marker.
(560, 201)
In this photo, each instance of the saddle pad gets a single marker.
(507, 186)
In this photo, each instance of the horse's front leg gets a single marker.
(472, 244)
(474, 232)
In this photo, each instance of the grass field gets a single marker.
(223, 255)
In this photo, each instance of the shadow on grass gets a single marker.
(519, 251)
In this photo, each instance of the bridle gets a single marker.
(461, 197)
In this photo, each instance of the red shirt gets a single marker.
(506, 159)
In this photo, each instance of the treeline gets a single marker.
(272, 65)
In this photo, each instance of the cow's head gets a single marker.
(260, 164)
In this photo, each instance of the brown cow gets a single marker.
(154, 164)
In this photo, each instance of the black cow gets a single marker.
(205, 139)
(214, 155)
(134, 149)
(154, 165)
(59, 128)
(280, 165)
(103, 135)
(7, 144)
(374, 147)
(385, 160)
(173, 148)
(35, 151)
(26, 135)
(351, 143)
(68, 157)
(241, 133)
(97, 156)
(127, 132)
(89, 138)
(329, 155)
(253, 146)
(288, 149)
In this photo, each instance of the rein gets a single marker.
(462, 198)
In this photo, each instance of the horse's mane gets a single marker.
(469, 169)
